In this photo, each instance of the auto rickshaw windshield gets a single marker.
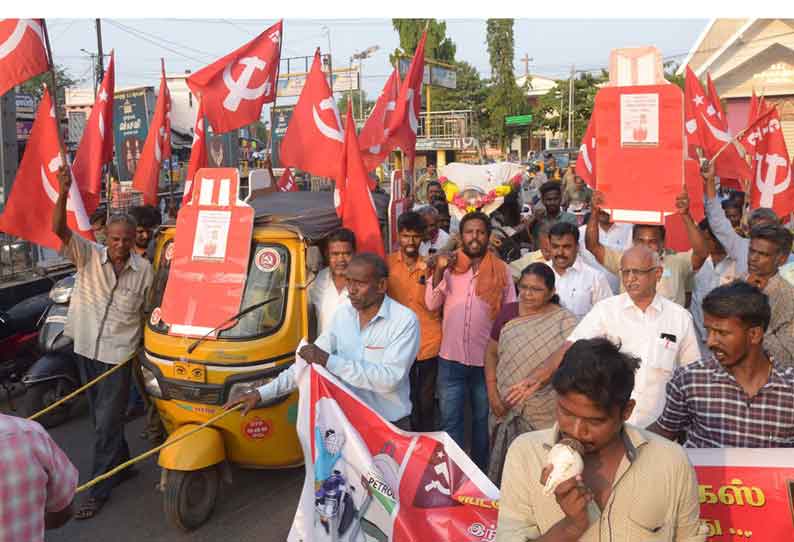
(268, 277)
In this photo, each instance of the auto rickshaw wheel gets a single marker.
(189, 496)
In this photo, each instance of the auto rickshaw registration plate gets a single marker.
(193, 372)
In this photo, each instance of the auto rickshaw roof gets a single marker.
(312, 213)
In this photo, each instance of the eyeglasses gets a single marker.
(626, 273)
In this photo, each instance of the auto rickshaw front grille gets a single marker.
(193, 394)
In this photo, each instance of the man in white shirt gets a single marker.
(611, 235)
(435, 238)
(578, 285)
(644, 323)
(329, 289)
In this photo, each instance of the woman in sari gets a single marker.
(523, 336)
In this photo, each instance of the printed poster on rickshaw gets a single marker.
(212, 235)
(639, 120)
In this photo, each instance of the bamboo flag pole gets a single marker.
(54, 91)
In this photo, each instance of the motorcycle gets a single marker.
(54, 375)
(18, 342)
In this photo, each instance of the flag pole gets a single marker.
(170, 154)
(275, 98)
(734, 140)
(54, 83)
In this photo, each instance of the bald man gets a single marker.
(645, 324)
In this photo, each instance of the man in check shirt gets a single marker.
(740, 397)
(471, 284)
(645, 324)
(578, 285)
(105, 321)
(677, 268)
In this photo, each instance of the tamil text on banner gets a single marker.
(210, 256)
(746, 494)
(367, 480)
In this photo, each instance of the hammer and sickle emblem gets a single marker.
(328, 131)
(74, 202)
(239, 89)
(9, 45)
(414, 122)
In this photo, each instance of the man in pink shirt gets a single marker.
(37, 482)
(471, 284)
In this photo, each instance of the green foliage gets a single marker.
(437, 47)
(670, 67)
(546, 114)
(471, 91)
(342, 101)
(505, 98)
(63, 79)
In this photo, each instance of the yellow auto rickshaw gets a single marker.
(190, 379)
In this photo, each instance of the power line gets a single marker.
(160, 38)
(134, 34)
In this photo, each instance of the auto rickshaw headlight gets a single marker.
(150, 383)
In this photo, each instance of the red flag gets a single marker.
(707, 128)
(198, 152)
(286, 182)
(375, 146)
(157, 147)
(586, 161)
(96, 145)
(356, 209)
(22, 51)
(315, 136)
(715, 99)
(35, 190)
(405, 120)
(771, 185)
(753, 113)
(235, 87)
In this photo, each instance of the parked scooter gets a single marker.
(55, 374)
(18, 345)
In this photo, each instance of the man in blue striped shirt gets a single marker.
(370, 346)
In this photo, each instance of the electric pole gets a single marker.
(100, 56)
(571, 87)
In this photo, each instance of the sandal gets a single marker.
(90, 508)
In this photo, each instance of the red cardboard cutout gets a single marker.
(640, 142)
(210, 261)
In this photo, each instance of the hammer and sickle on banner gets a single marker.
(239, 89)
(767, 187)
(73, 202)
(328, 131)
(10, 45)
(414, 122)
(390, 106)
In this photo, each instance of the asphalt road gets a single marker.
(258, 506)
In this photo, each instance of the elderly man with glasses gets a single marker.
(644, 324)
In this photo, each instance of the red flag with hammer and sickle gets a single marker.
(586, 161)
(96, 145)
(22, 51)
(198, 153)
(234, 88)
(36, 187)
(157, 147)
(286, 182)
(315, 138)
(405, 119)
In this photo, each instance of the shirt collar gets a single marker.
(633, 439)
(776, 377)
(132, 261)
(656, 304)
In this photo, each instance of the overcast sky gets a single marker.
(553, 44)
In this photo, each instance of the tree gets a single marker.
(341, 103)
(471, 93)
(62, 78)
(437, 46)
(670, 67)
(505, 98)
(553, 105)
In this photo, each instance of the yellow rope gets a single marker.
(156, 449)
(79, 390)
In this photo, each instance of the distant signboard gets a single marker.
(131, 125)
(223, 150)
(436, 75)
(23, 129)
(518, 120)
(279, 120)
(344, 79)
(26, 104)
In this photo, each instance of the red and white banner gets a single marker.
(29, 208)
(156, 148)
(210, 256)
(286, 183)
(315, 137)
(367, 480)
(198, 153)
(96, 145)
(404, 122)
(586, 161)
(234, 88)
(771, 182)
(746, 493)
(23, 53)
